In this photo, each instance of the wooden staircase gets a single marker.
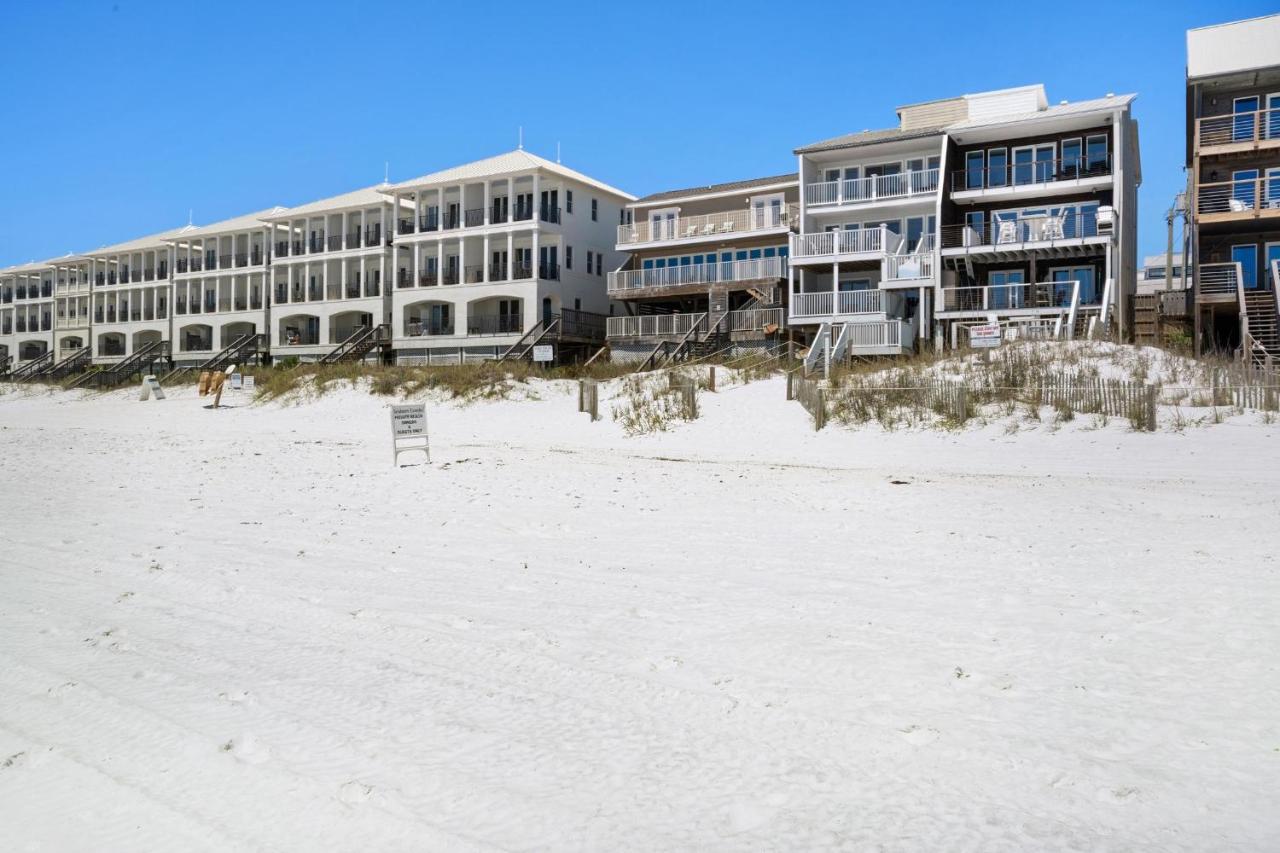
(249, 345)
(359, 344)
(523, 348)
(1262, 321)
(33, 368)
(74, 363)
(142, 361)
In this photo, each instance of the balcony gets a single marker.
(282, 248)
(1238, 133)
(876, 188)
(697, 275)
(1246, 198)
(549, 272)
(225, 261)
(655, 325)
(473, 218)
(840, 303)
(868, 243)
(316, 244)
(335, 243)
(373, 236)
(1047, 297)
(549, 214)
(473, 274)
(495, 324)
(1031, 178)
(1221, 282)
(708, 226)
(1017, 230)
(429, 328)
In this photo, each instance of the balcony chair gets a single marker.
(727, 226)
(1238, 205)
(1055, 227)
(691, 231)
(1006, 230)
(709, 228)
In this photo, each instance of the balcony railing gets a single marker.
(1251, 127)
(1030, 173)
(655, 325)
(282, 248)
(473, 274)
(1014, 297)
(1243, 195)
(679, 276)
(1219, 279)
(500, 324)
(754, 319)
(225, 261)
(874, 188)
(845, 242)
(429, 327)
(335, 243)
(1034, 228)
(908, 267)
(708, 225)
(828, 303)
(473, 218)
(316, 244)
(548, 214)
(373, 236)
(549, 272)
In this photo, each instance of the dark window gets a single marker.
(591, 260)
(595, 210)
(568, 257)
(568, 201)
(973, 170)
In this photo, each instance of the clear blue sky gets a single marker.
(119, 116)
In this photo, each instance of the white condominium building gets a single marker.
(508, 250)
(26, 313)
(220, 285)
(330, 264)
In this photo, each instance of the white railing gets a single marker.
(708, 225)
(887, 333)
(828, 303)
(676, 276)
(877, 188)
(907, 267)
(842, 242)
(754, 319)
(654, 325)
(1219, 279)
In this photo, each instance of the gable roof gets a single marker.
(715, 189)
(365, 197)
(238, 223)
(512, 161)
(870, 137)
(150, 242)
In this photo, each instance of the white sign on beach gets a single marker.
(237, 381)
(409, 430)
(544, 352)
(984, 336)
(248, 382)
(150, 386)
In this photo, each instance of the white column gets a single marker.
(537, 202)
(533, 252)
(417, 250)
(439, 262)
(511, 254)
(462, 260)
(486, 215)
(484, 267)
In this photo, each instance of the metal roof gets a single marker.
(238, 223)
(869, 137)
(712, 189)
(492, 167)
(366, 197)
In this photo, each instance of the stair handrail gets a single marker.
(1104, 318)
(700, 318)
(536, 329)
(823, 338)
(1074, 310)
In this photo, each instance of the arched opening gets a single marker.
(496, 315)
(28, 350)
(70, 343)
(231, 332)
(111, 344)
(345, 324)
(430, 317)
(196, 337)
(145, 339)
(299, 330)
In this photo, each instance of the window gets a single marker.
(1244, 186)
(974, 222)
(595, 210)
(568, 201)
(1246, 118)
(998, 167)
(1096, 153)
(568, 257)
(973, 166)
(590, 262)
(1071, 157)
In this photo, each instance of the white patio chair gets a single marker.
(1237, 205)
(1006, 230)
(1055, 227)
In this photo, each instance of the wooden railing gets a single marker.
(1243, 195)
(708, 225)
(1221, 279)
(1249, 127)
(754, 319)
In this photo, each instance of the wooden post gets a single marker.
(711, 378)
(791, 378)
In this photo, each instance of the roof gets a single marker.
(153, 241)
(1233, 47)
(357, 198)
(1110, 102)
(869, 137)
(32, 266)
(239, 223)
(512, 161)
(711, 189)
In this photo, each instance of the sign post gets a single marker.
(409, 430)
(985, 336)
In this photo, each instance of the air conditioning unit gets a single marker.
(1106, 220)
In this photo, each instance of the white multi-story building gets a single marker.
(865, 260)
(71, 287)
(330, 269)
(501, 251)
(26, 311)
(132, 295)
(220, 285)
